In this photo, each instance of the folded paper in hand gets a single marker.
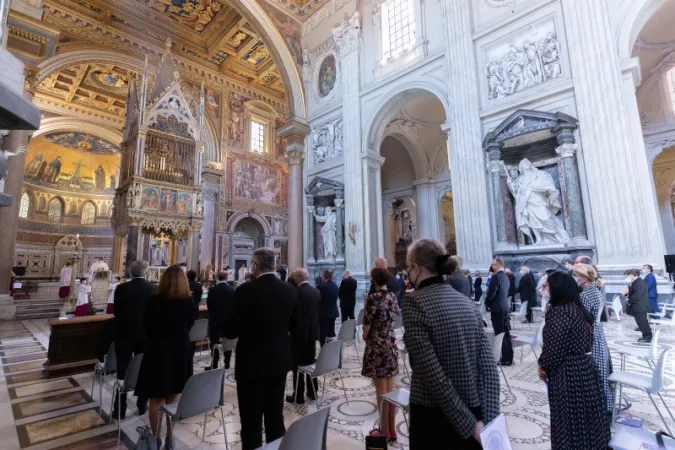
(495, 435)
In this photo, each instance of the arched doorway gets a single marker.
(248, 235)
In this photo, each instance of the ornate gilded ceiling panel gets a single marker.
(197, 14)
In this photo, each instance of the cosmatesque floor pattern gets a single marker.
(36, 413)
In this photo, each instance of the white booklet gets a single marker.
(495, 435)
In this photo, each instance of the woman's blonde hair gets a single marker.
(173, 284)
(586, 271)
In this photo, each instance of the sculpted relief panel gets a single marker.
(529, 58)
(327, 141)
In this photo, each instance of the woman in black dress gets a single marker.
(575, 389)
(167, 363)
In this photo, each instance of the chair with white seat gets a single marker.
(327, 362)
(663, 322)
(202, 394)
(199, 332)
(400, 398)
(650, 384)
(522, 313)
(359, 323)
(307, 433)
(541, 309)
(616, 307)
(102, 370)
(125, 386)
(347, 333)
(497, 354)
(403, 350)
(650, 354)
(629, 438)
(533, 341)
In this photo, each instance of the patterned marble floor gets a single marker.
(59, 413)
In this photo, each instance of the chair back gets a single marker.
(329, 358)
(199, 330)
(110, 360)
(654, 345)
(202, 393)
(131, 377)
(523, 309)
(398, 321)
(497, 346)
(347, 331)
(359, 318)
(616, 303)
(539, 335)
(230, 344)
(657, 378)
(308, 433)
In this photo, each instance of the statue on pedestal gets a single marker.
(328, 218)
(537, 203)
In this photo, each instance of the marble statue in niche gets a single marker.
(537, 205)
(528, 60)
(327, 141)
(327, 216)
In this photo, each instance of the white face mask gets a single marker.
(579, 281)
(628, 280)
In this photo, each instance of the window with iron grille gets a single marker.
(257, 137)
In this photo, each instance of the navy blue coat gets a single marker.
(497, 294)
(329, 300)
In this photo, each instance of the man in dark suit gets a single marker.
(497, 300)
(512, 289)
(303, 343)
(219, 302)
(265, 311)
(638, 299)
(195, 286)
(329, 309)
(282, 273)
(347, 294)
(458, 281)
(527, 288)
(392, 285)
(130, 299)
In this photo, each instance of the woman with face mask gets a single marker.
(590, 296)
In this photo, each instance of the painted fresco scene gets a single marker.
(256, 182)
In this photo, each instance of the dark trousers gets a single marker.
(304, 354)
(347, 313)
(643, 324)
(530, 304)
(258, 399)
(654, 305)
(429, 426)
(501, 322)
(326, 330)
(124, 351)
(214, 338)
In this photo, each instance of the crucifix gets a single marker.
(163, 239)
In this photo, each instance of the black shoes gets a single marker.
(505, 363)
(115, 415)
(645, 340)
(292, 399)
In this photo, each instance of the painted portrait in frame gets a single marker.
(327, 75)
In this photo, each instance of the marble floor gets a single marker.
(59, 413)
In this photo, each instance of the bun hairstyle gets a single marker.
(430, 254)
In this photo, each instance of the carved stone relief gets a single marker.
(529, 59)
(327, 141)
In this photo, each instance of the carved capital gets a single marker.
(210, 194)
(310, 209)
(295, 156)
(567, 150)
(339, 202)
(347, 34)
(494, 166)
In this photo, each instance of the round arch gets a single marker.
(73, 124)
(420, 163)
(236, 218)
(632, 22)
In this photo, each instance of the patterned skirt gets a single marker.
(600, 354)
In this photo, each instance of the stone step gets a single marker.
(36, 315)
(50, 307)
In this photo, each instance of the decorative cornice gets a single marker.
(347, 35)
(50, 104)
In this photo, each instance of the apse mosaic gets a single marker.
(255, 182)
(73, 162)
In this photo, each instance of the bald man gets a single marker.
(381, 263)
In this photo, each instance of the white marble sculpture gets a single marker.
(4, 157)
(327, 141)
(537, 203)
(328, 218)
(527, 62)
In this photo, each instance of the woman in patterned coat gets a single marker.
(575, 390)
(591, 297)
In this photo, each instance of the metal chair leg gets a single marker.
(100, 389)
(222, 416)
(659, 411)
(316, 397)
(533, 351)
(405, 416)
(323, 388)
(119, 413)
(204, 427)
(93, 382)
(505, 380)
(666, 405)
(158, 431)
(297, 380)
(343, 386)
(112, 401)
(357, 352)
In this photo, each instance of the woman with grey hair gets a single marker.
(455, 383)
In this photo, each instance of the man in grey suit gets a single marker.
(497, 300)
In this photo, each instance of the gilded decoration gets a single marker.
(195, 13)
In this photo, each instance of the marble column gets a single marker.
(173, 252)
(339, 235)
(295, 131)
(133, 238)
(495, 168)
(230, 251)
(347, 41)
(311, 247)
(209, 231)
(118, 255)
(615, 161)
(575, 208)
(392, 234)
(427, 210)
(192, 259)
(467, 161)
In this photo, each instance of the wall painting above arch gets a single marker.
(73, 161)
(256, 182)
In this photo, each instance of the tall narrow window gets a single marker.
(55, 210)
(88, 214)
(671, 87)
(398, 30)
(24, 206)
(257, 137)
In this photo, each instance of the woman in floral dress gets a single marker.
(380, 359)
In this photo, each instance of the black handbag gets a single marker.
(378, 442)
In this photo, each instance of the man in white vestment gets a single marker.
(64, 280)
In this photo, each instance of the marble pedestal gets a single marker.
(542, 257)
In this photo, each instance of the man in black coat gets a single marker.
(638, 299)
(500, 309)
(329, 309)
(527, 288)
(512, 289)
(392, 285)
(282, 273)
(219, 302)
(458, 281)
(130, 299)
(195, 286)
(347, 294)
(265, 311)
(303, 343)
